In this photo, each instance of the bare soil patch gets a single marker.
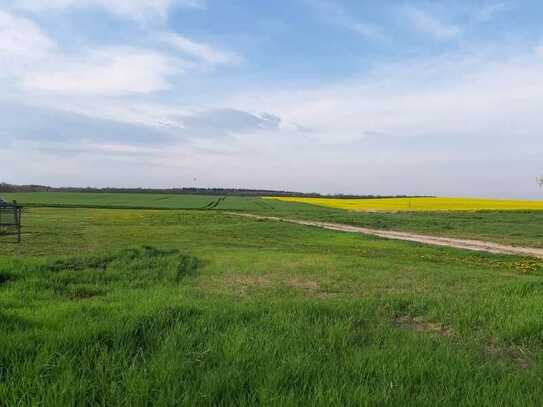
(308, 287)
(242, 283)
(516, 355)
(418, 324)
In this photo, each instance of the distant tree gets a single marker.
(540, 181)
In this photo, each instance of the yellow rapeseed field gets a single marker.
(418, 204)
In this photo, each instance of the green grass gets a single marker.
(126, 307)
(111, 200)
(135, 201)
(516, 228)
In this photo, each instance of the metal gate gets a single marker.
(10, 219)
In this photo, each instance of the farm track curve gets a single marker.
(474, 245)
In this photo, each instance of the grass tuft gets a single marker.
(187, 267)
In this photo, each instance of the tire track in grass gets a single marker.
(209, 204)
(215, 203)
(220, 202)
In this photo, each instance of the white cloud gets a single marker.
(334, 14)
(109, 71)
(476, 98)
(152, 115)
(31, 60)
(201, 51)
(135, 9)
(122, 148)
(426, 23)
(22, 39)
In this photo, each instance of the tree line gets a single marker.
(5, 187)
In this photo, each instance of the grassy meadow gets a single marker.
(516, 227)
(201, 307)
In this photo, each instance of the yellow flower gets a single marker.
(417, 204)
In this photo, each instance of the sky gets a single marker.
(331, 96)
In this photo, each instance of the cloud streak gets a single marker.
(108, 71)
(45, 125)
(226, 122)
(334, 14)
(426, 23)
(133, 9)
(199, 51)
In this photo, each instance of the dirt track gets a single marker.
(475, 245)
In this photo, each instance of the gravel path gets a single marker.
(475, 245)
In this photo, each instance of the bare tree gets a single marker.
(540, 181)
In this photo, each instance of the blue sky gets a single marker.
(396, 97)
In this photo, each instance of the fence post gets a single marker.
(18, 216)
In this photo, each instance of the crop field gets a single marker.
(419, 204)
(191, 306)
(128, 200)
(112, 200)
